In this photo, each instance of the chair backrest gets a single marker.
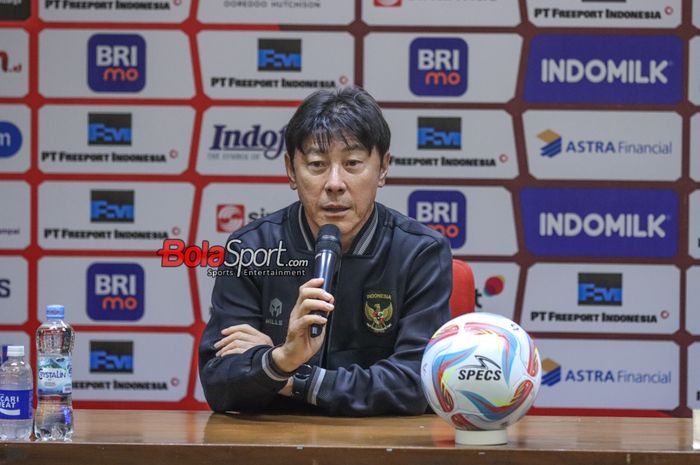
(463, 295)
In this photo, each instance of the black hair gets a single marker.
(348, 114)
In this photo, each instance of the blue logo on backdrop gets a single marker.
(109, 129)
(600, 222)
(440, 133)
(116, 63)
(279, 54)
(443, 211)
(604, 69)
(600, 289)
(115, 291)
(10, 139)
(112, 206)
(438, 66)
(111, 357)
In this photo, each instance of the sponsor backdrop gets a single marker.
(554, 142)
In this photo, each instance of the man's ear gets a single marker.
(384, 169)
(289, 166)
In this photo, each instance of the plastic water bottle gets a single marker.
(16, 388)
(54, 345)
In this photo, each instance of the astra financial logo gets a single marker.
(600, 289)
(600, 222)
(438, 66)
(554, 145)
(116, 62)
(443, 211)
(553, 374)
(115, 291)
(229, 217)
(439, 133)
(112, 206)
(111, 356)
(10, 139)
(604, 69)
(279, 55)
(552, 141)
(109, 129)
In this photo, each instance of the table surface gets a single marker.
(107, 437)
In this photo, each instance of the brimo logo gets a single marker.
(174, 253)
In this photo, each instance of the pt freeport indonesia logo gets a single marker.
(232, 259)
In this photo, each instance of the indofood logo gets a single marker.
(554, 145)
(553, 374)
(605, 69)
(601, 222)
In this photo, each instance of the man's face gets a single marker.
(338, 186)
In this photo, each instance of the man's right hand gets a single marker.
(299, 347)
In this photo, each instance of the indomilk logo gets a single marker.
(552, 142)
(600, 289)
(116, 63)
(109, 129)
(604, 69)
(440, 133)
(438, 66)
(115, 291)
(600, 222)
(10, 139)
(443, 211)
(279, 54)
(112, 206)
(111, 356)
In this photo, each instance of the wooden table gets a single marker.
(121, 437)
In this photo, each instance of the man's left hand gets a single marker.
(239, 338)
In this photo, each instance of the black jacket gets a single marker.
(391, 294)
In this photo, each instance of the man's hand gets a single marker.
(299, 346)
(239, 338)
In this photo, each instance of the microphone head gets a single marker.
(328, 239)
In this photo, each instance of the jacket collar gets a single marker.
(363, 243)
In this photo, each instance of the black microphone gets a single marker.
(327, 256)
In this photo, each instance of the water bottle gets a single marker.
(16, 388)
(54, 345)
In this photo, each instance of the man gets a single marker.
(391, 292)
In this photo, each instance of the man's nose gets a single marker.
(336, 179)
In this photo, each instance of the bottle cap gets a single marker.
(15, 351)
(55, 312)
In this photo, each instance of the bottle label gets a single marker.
(15, 405)
(54, 376)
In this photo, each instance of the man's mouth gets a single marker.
(334, 208)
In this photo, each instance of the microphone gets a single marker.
(327, 255)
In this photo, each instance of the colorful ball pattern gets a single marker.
(481, 371)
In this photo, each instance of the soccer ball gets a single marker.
(481, 372)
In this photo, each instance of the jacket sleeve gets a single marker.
(240, 382)
(393, 385)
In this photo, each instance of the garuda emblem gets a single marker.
(379, 309)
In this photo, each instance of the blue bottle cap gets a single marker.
(55, 312)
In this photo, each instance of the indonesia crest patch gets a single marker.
(379, 310)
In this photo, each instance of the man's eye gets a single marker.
(316, 164)
(353, 163)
